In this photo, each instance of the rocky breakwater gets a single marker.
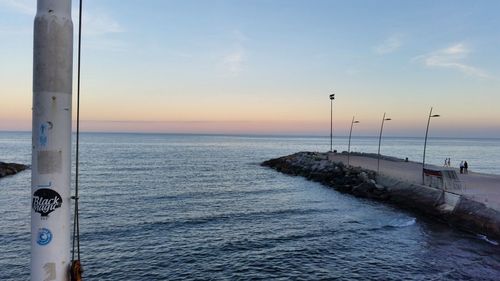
(316, 167)
(7, 169)
(453, 209)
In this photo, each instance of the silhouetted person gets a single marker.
(466, 167)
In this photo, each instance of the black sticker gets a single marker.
(45, 201)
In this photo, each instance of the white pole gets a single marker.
(51, 143)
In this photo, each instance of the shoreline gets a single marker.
(9, 169)
(458, 210)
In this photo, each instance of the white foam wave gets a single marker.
(402, 222)
(485, 238)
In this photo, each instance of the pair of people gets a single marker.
(447, 162)
(464, 167)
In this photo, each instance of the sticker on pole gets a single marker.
(45, 201)
(44, 237)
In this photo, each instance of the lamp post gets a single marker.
(380, 140)
(425, 142)
(349, 145)
(332, 97)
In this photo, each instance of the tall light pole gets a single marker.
(349, 145)
(51, 141)
(425, 142)
(380, 140)
(332, 97)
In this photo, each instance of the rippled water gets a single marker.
(174, 207)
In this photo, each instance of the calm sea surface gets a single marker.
(188, 207)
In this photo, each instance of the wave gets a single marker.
(401, 222)
(485, 238)
(216, 194)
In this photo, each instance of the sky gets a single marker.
(269, 66)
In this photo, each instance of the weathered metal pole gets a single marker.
(425, 142)
(332, 97)
(380, 141)
(349, 145)
(51, 141)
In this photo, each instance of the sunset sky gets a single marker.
(268, 67)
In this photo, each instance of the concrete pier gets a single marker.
(483, 188)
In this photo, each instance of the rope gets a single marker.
(76, 269)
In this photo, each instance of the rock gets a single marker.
(323, 164)
(363, 176)
(356, 170)
(364, 189)
(8, 169)
(344, 188)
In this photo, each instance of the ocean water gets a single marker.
(194, 207)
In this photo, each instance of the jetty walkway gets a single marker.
(483, 188)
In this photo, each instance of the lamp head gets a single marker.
(332, 96)
(436, 115)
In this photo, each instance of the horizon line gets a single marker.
(254, 134)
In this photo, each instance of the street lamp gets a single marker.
(425, 142)
(349, 146)
(332, 97)
(380, 140)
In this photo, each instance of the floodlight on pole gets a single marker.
(332, 97)
(349, 145)
(380, 140)
(425, 141)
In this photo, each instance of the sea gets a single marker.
(200, 207)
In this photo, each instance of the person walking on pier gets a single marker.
(462, 167)
(466, 168)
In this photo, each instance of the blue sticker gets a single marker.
(43, 135)
(44, 237)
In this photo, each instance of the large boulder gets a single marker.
(365, 189)
(7, 169)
